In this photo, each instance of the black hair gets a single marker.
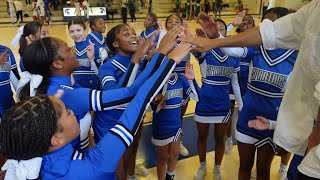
(155, 19)
(173, 15)
(224, 23)
(279, 11)
(93, 21)
(77, 21)
(27, 128)
(30, 28)
(37, 59)
(112, 36)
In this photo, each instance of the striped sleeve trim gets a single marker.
(125, 136)
(106, 79)
(95, 100)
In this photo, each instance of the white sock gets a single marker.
(203, 165)
(170, 173)
(217, 168)
(283, 167)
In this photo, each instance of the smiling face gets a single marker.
(77, 32)
(126, 41)
(67, 58)
(99, 26)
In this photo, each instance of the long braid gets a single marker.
(27, 128)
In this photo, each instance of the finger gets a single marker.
(28, 40)
(252, 124)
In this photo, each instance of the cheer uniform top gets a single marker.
(8, 73)
(148, 33)
(100, 47)
(114, 74)
(85, 76)
(268, 76)
(217, 71)
(101, 161)
(166, 124)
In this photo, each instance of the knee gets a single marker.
(174, 155)
(162, 160)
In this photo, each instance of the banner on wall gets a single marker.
(70, 12)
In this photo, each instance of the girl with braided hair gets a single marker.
(37, 132)
(41, 129)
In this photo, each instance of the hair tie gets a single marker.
(34, 79)
(22, 170)
(16, 39)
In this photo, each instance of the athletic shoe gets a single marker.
(201, 172)
(141, 170)
(282, 174)
(183, 150)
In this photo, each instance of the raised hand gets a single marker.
(178, 53)
(239, 18)
(144, 47)
(208, 25)
(186, 27)
(200, 32)
(189, 72)
(159, 100)
(90, 51)
(261, 123)
(169, 40)
(3, 57)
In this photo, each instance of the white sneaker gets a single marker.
(228, 146)
(141, 170)
(254, 174)
(217, 173)
(217, 176)
(183, 150)
(201, 172)
(282, 174)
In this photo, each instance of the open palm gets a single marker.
(189, 72)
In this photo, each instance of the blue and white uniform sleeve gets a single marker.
(235, 85)
(107, 77)
(84, 100)
(190, 89)
(14, 74)
(106, 154)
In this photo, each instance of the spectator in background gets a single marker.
(139, 6)
(124, 11)
(28, 2)
(110, 11)
(132, 10)
(18, 6)
(47, 6)
(218, 8)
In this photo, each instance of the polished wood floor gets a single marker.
(185, 168)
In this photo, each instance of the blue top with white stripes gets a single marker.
(269, 72)
(100, 47)
(6, 100)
